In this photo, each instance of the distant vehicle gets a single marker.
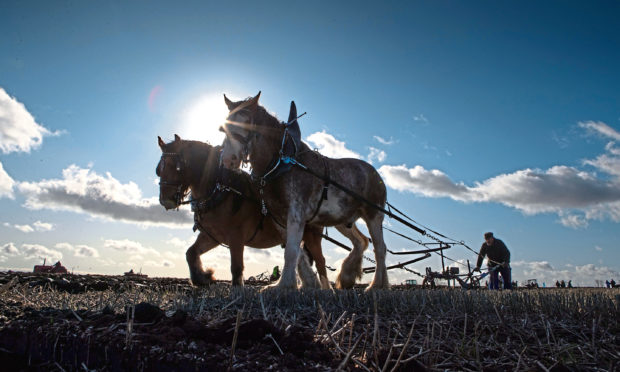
(133, 274)
(410, 282)
(531, 283)
(56, 268)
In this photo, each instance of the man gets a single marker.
(498, 255)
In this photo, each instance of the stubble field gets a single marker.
(106, 323)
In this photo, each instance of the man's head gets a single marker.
(488, 237)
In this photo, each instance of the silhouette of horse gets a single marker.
(221, 215)
(296, 197)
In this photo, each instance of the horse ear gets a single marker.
(292, 114)
(162, 144)
(231, 105)
(177, 138)
(293, 127)
(253, 102)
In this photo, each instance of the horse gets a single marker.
(304, 191)
(224, 211)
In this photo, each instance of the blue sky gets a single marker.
(480, 116)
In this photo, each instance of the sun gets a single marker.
(202, 119)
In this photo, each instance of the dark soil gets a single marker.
(106, 323)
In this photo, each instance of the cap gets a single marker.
(488, 235)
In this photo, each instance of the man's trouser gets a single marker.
(506, 277)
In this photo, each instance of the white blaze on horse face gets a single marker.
(233, 151)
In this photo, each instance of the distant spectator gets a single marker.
(544, 285)
(613, 283)
(497, 255)
(557, 284)
(570, 284)
(563, 284)
(607, 284)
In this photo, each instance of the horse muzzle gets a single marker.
(168, 203)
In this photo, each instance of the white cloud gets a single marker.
(162, 263)
(6, 184)
(43, 226)
(19, 132)
(376, 154)
(598, 249)
(383, 141)
(180, 243)
(129, 246)
(84, 191)
(543, 271)
(598, 127)
(575, 195)
(37, 226)
(329, 146)
(574, 221)
(79, 250)
(9, 248)
(37, 251)
(22, 228)
(421, 118)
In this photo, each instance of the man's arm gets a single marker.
(483, 252)
(507, 255)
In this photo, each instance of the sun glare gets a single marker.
(202, 119)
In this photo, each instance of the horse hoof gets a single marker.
(203, 279)
(280, 286)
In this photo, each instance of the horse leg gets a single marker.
(197, 274)
(307, 276)
(351, 269)
(236, 261)
(375, 227)
(294, 232)
(312, 241)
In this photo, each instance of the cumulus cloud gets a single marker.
(162, 263)
(577, 196)
(79, 250)
(574, 221)
(9, 248)
(598, 127)
(19, 132)
(329, 146)
(180, 243)
(37, 226)
(37, 251)
(82, 190)
(376, 155)
(543, 271)
(22, 228)
(6, 184)
(129, 246)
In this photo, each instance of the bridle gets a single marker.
(180, 164)
(245, 141)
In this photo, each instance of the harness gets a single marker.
(200, 206)
(284, 161)
(180, 165)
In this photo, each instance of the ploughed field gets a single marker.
(87, 322)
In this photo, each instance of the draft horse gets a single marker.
(221, 215)
(297, 186)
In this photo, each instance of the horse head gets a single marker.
(171, 171)
(240, 130)
(182, 165)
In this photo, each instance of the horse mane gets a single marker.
(197, 155)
